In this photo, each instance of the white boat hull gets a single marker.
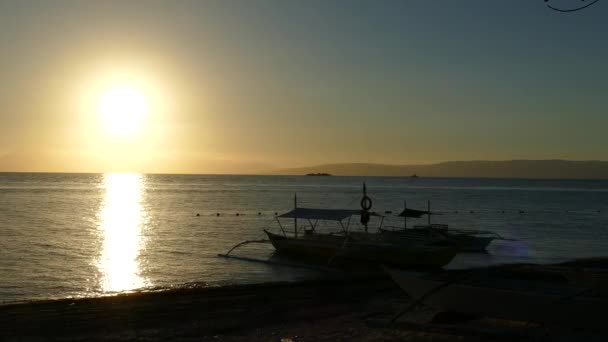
(328, 246)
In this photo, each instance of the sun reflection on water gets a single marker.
(122, 221)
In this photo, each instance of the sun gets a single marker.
(123, 110)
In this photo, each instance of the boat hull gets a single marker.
(466, 243)
(331, 246)
(469, 243)
(542, 302)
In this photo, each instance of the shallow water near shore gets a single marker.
(66, 235)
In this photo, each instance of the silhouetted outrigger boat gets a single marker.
(550, 294)
(344, 244)
(370, 247)
(466, 240)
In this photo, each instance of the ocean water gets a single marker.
(74, 235)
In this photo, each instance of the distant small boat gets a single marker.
(513, 292)
(318, 174)
(414, 176)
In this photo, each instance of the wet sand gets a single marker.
(345, 309)
(263, 312)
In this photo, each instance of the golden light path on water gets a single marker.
(122, 222)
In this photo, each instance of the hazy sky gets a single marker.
(246, 86)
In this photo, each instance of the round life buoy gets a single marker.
(366, 203)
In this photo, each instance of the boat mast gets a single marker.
(364, 210)
(295, 218)
(404, 215)
(366, 205)
(428, 208)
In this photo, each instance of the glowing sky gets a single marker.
(247, 86)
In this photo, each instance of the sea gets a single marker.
(88, 235)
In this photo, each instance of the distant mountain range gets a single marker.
(489, 169)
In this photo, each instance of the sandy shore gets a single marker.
(346, 309)
(311, 310)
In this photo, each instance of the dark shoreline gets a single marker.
(326, 309)
(204, 312)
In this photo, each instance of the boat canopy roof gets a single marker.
(322, 214)
(414, 213)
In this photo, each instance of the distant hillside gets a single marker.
(488, 169)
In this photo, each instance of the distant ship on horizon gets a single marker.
(318, 174)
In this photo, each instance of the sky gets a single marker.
(250, 86)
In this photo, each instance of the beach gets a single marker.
(304, 311)
(336, 309)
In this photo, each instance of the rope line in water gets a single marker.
(438, 212)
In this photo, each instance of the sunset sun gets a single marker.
(123, 109)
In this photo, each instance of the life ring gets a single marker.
(366, 203)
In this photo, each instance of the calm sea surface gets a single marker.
(69, 235)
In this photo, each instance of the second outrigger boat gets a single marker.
(466, 240)
(565, 294)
